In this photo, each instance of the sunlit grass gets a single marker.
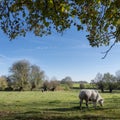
(55, 105)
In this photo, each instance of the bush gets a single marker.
(8, 89)
(82, 86)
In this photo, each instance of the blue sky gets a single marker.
(59, 55)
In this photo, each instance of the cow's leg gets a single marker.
(81, 103)
(94, 104)
(87, 102)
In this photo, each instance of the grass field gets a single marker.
(59, 105)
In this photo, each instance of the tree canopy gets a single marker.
(100, 18)
(107, 81)
(25, 75)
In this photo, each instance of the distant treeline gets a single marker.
(25, 76)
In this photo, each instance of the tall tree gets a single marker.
(3, 82)
(36, 76)
(100, 18)
(118, 79)
(100, 81)
(111, 82)
(20, 73)
(118, 74)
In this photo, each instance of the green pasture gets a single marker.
(86, 85)
(58, 105)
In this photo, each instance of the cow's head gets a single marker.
(100, 101)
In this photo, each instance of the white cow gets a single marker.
(90, 95)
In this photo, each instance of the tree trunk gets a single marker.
(102, 90)
(110, 90)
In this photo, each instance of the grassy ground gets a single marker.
(57, 105)
(86, 85)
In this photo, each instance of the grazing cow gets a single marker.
(90, 95)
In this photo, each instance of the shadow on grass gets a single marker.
(53, 116)
(76, 108)
(61, 114)
(64, 109)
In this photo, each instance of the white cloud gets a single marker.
(46, 47)
(83, 46)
